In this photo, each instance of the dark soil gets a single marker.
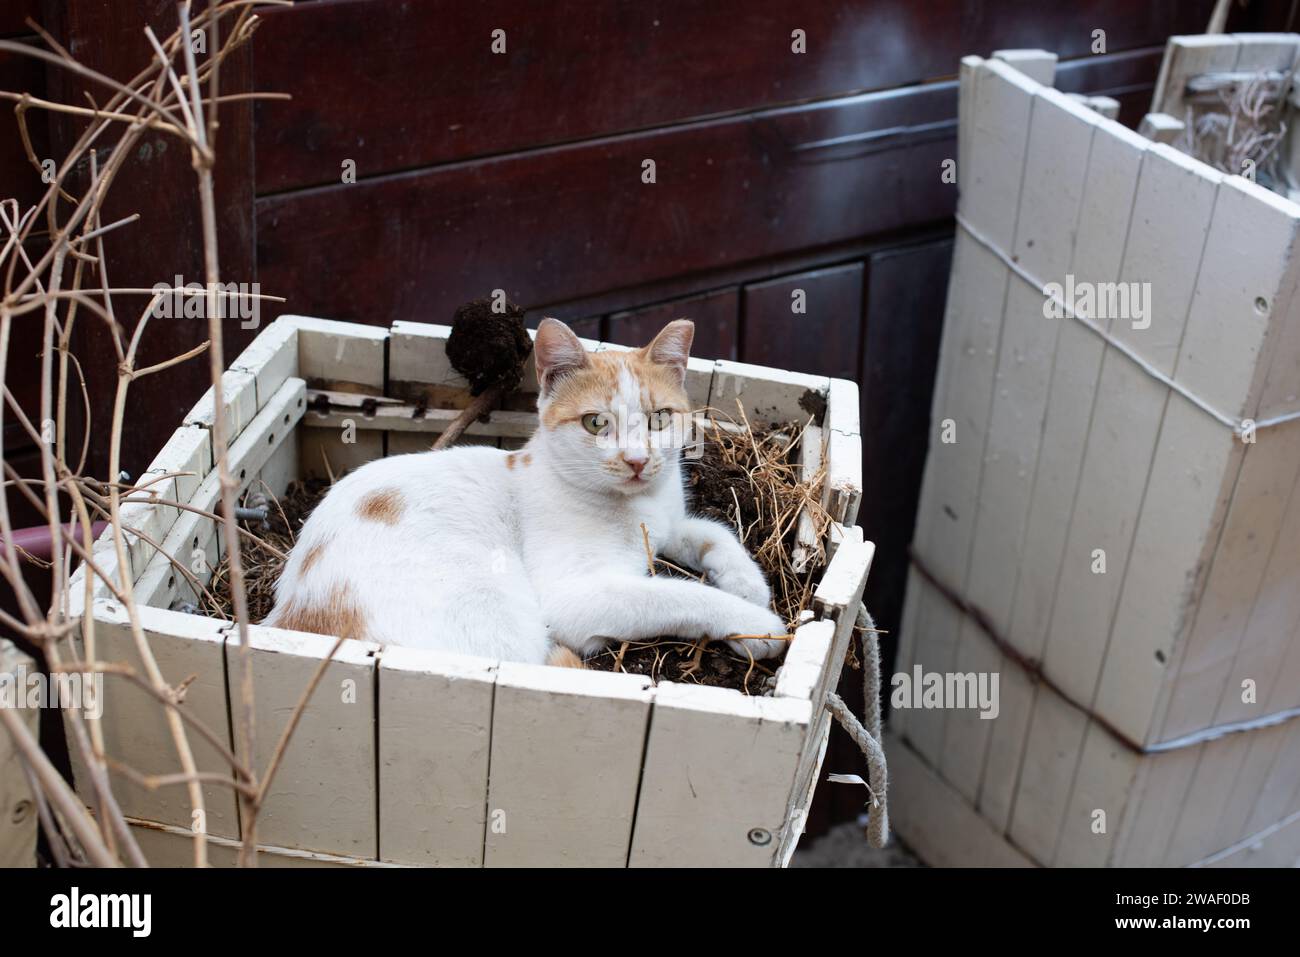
(489, 348)
(716, 487)
(676, 659)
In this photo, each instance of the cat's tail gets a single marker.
(562, 657)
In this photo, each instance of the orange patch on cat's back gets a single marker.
(383, 505)
(312, 557)
(519, 458)
(339, 616)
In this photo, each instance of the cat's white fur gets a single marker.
(507, 555)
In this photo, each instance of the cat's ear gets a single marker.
(557, 351)
(672, 347)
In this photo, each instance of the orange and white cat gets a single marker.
(522, 555)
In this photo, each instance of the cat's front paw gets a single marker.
(757, 648)
(763, 623)
(742, 578)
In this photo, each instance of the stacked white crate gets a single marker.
(1065, 445)
(390, 763)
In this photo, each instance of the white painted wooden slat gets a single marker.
(1260, 750)
(806, 661)
(193, 540)
(945, 513)
(768, 396)
(1171, 212)
(842, 493)
(1001, 99)
(239, 402)
(936, 821)
(418, 365)
(193, 544)
(897, 720)
(837, 598)
(1206, 667)
(282, 467)
(1168, 776)
(435, 727)
(1275, 615)
(718, 776)
(1186, 56)
(566, 757)
(809, 670)
(18, 820)
(1056, 737)
(1038, 65)
(188, 456)
(342, 356)
(1252, 254)
(1277, 793)
(807, 547)
(843, 451)
(326, 452)
(135, 723)
(1017, 699)
(323, 796)
(1113, 165)
(1106, 106)
(1167, 233)
(403, 418)
(169, 847)
(843, 407)
(1123, 429)
(1265, 51)
(1210, 790)
(165, 846)
(271, 358)
(1052, 188)
(1103, 782)
(805, 787)
(1244, 299)
(996, 103)
(1161, 127)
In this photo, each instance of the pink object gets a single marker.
(36, 540)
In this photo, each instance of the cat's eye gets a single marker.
(594, 422)
(660, 419)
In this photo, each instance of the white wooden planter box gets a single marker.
(18, 818)
(411, 757)
(1069, 453)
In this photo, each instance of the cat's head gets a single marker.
(613, 421)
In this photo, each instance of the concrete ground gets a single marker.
(845, 845)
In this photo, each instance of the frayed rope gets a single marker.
(867, 736)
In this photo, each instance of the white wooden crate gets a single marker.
(406, 757)
(1066, 445)
(18, 818)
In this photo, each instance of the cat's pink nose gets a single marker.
(635, 464)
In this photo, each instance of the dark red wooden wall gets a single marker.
(523, 171)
